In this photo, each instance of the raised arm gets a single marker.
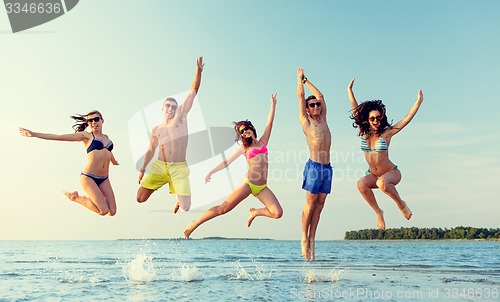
(270, 119)
(319, 96)
(300, 95)
(185, 107)
(402, 123)
(153, 144)
(301, 80)
(72, 137)
(352, 99)
(225, 163)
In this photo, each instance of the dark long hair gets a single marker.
(360, 116)
(81, 120)
(237, 126)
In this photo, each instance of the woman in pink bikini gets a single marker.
(376, 133)
(255, 182)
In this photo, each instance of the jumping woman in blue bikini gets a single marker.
(94, 177)
(255, 182)
(376, 133)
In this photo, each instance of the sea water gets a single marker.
(253, 270)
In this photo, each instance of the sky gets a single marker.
(122, 57)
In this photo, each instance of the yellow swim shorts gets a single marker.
(175, 174)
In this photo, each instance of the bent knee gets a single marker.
(141, 198)
(143, 194)
(277, 214)
(382, 185)
(184, 202)
(362, 186)
(185, 207)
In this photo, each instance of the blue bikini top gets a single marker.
(98, 144)
(380, 145)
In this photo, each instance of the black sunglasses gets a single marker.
(94, 119)
(245, 129)
(373, 118)
(312, 105)
(169, 105)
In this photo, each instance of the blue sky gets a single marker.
(121, 57)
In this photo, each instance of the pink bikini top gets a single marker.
(251, 153)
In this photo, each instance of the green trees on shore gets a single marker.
(424, 233)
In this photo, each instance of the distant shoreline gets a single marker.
(414, 233)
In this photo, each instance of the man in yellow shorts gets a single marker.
(176, 174)
(172, 138)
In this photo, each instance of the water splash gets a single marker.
(242, 273)
(310, 276)
(332, 276)
(140, 269)
(258, 274)
(187, 273)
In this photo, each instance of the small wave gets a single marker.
(187, 273)
(81, 279)
(458, 280)
(10, 275)
(140, 269)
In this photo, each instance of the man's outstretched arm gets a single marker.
(301, 95)
(188, 102)
(319, 96)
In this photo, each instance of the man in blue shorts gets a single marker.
(318, 172)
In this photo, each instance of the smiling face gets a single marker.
(95, 121)
(247, 136)
(245, 132)
(374, 119)
(313, 106)
(169, 108)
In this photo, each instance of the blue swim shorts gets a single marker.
(317, 177)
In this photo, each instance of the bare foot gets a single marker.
(252, 216)
(189, 230)
(311, 249)
(305, 248)
(176, 207)
(71, 196)
(406, 211)
(380, 220)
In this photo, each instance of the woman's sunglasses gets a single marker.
(312, 105)
(96, 119)
(245, 129)
(373, 118)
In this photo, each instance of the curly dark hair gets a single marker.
(81, 120)
(246, 123)
(360, 116)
